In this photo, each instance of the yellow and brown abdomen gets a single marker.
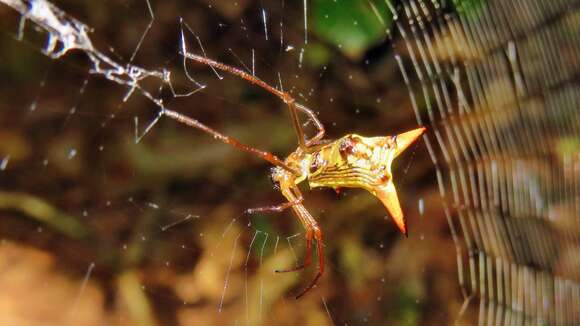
(355, 161)
(352, 161)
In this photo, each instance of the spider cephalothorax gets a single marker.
(351, 161)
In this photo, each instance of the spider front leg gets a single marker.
(267, 156)
(293, 106)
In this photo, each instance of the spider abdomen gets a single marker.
(352, 161)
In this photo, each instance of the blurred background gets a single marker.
(104, 220)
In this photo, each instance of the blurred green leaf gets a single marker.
(317, 55)
(352, 25)
(568, 146)
(262, 222)
(468, 7)
(407, 309)
(43, 212)
(134, 297)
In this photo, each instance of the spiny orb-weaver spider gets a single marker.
(352, 161)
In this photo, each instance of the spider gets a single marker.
(351, 161)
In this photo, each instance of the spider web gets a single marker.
(498, 81)
(162, 230)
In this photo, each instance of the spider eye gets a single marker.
(347, 147)
(314, 163)
(392, 141)
(273, 178)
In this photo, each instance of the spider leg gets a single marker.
(274, 208)
(307, 258)
(321, 131)
(313, 232)
(320, 253)
(284, 96)
(309, 233)
(273, 159)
